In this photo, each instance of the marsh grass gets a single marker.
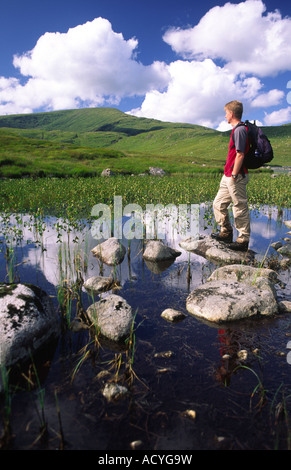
(280, 416)
(259, 389)
(35, 388)
(73, 198)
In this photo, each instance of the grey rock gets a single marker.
(287, 223)
(28, 321)
(213, 250)
(228, 300)
(107, 172)
(276, 245)
(285, 306)
(155, 171)
(111, 251)
(113, 316)
(242, 355)
(243, 273)
(114, 392)
(285, 249)
(157, 251)
(98, 284)
(172, 315)
(285, 263)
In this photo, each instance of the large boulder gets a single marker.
(243, 273)
(233, 293)
(214, 250)
(111, 251)
(112, 316)
(28, 321)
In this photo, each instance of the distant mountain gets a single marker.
(87, 120)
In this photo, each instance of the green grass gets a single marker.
(84, 142)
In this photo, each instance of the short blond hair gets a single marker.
(236, 107)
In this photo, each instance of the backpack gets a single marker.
(260, 151)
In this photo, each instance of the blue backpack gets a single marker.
(260, 151)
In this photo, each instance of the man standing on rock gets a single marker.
(233, 184)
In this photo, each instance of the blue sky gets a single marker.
(178, 61)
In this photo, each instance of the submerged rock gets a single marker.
(28, 321)
(233, 293)
(157, 251)
(114, 392)
(214, 250)
(113, 316)
(111, 251)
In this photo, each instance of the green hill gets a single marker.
(86, 120)
(85, 141)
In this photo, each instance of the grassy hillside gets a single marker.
(86, 120)
(85, 141)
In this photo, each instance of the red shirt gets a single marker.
(232, 150)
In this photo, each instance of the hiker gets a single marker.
(233, 184)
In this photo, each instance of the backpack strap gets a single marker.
(238, 125)
(233, 146)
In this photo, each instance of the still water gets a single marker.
(175, 367)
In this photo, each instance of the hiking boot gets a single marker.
(225, 237)
(239, 246)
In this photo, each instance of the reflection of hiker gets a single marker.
(233, 184)
(229, 346)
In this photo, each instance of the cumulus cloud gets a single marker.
(271, 98)
(278, 117)
(225, 57)
(241, 35)
(89, 65)
(197, 93)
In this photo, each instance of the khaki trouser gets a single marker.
(234, 191)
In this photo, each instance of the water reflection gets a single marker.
(204, 358)
(55, 250)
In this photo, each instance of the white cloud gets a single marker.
(246, 42)
(241, 35)
(271, 98)
(224, 57)
(278, 117)
(197, 93)
(90, 65)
